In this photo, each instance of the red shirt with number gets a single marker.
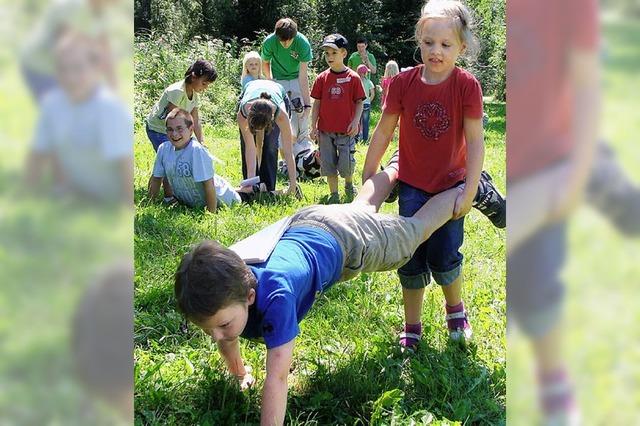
(433, 148)
(338, 93)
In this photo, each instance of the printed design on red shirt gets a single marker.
(335, 91)
(432, 120)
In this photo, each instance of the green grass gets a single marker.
(347, 367)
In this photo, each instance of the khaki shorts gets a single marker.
(370, 242)
(337, 154)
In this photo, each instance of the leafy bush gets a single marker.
(162, 59)
(388, 24)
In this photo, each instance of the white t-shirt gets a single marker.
(88, 139)
(175, 94)
(187, 169)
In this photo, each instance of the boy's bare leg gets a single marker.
(528, 218)
(333, 183)
(376, 189)
(437, 211)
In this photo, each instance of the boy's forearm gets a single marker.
(154, 187)
(210, 196)
(274, 400)
(274, 394)
(230, 351)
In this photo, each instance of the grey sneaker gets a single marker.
(169, 201)
(393, 163)
(490, 202)
(350, 191)
(612, 193)
(334, 198)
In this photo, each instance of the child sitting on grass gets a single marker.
(335, 116)
(324, 244)
(189, 168)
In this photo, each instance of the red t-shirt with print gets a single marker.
(542, 36)
(432, 144)
(338, 94)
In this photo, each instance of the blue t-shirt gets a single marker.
(187, 169)
(246, 79)
(305, 262)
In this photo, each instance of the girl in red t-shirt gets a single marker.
(439, 106)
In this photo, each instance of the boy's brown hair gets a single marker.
(179, 112)
(286, 29)
(209, 278)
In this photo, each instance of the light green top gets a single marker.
(175, 94)
(285, 62)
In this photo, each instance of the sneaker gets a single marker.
(169, 201)
(490, 202)
(458, 325)
(393, 163)
(334, 198)
(612, 193)
(350, 191)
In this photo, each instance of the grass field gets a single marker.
(347, 366)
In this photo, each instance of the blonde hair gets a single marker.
(251, 55)
(462, 18)
(391, 69)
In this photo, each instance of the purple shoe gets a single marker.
(458, 323)
(558, 401)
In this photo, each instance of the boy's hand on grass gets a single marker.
(246, 380)
(292, 191)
